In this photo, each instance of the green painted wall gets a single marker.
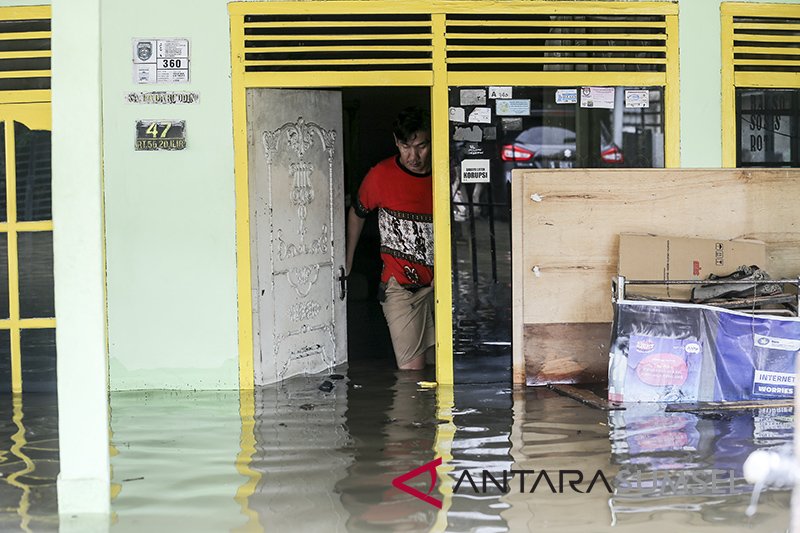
(701, 87)
(170, 223)
(170, 218)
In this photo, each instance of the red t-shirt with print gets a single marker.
(404, 201)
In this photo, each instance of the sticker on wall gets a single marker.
(475, 171)
(152, 135)
(162, 97)
(457, 114)
(597, 97)
(474, 149)
(481, 115)
(566, 96)
(489, 133)
(473, 134)
(473, 96)
(513, 108)
(500, 92)
(637, 98)
(161, 60)
(511, 124)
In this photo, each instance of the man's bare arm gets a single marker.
(354, 226)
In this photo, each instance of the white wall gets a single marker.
(170, 223)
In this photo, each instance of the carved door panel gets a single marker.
(296, 231)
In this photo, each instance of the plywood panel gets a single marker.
(567, 226)
(566, 353)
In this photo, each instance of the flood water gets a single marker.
(292, 457)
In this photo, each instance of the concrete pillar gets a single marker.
(78, 242)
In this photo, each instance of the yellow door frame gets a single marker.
(439, 78)
(732, 79)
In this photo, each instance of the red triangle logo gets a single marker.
(400, 482)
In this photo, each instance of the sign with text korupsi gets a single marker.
(154, 135)
(475, 171)
(161, 60)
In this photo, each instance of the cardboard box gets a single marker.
(644, 257)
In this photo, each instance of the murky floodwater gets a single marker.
(295, 458)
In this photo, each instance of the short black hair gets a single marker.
(409, 121)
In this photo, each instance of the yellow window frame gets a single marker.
(439, 79)
(731, 79)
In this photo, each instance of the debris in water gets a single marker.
(326, 386)
(427, 384)
(307, 406)
(336, 376)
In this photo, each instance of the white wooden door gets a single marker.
(296, 231)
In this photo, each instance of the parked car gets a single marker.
(552, 147)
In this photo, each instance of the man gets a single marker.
(400, 188)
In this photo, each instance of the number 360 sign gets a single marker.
(161, 60)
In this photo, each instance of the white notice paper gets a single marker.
(475, 171)
(513, 108)
(500, 92)
(481, 115)
(161, 60)
(457, 114)
(637, 98)
(598, 97)
(473, 96)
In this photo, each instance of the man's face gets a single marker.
(415, 152)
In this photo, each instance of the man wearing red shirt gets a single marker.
(400, 188)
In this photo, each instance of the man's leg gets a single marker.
(408, 317)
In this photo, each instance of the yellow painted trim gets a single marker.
(451, 6)
(8, 74)
(354, 37)
(243, 269)
(13, 256)
(768, 38)
(672, 108)
(767, 62)
(23, 97)
(551, 79)
(728, 90)
(761, 26)
(443, 447)
(24, 12)
(247, 448)
(323, 78)
(556, 23)
(561, 36)
(767, 49)
(25, 54)
(490, 48)
(311, 48)
(440, 132)
(28, 323)
(338, 24)
(42, 225)
(24, 36)
(788, 80)
(558, 60)
(271, 62)
(739, 9)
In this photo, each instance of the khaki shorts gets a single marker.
(410, 319)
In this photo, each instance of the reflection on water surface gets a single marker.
(293, 457)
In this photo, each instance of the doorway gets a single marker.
(308, 151)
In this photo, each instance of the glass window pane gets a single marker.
(38, 348)
(5, 360)
(33, 173)
(4, 313)
(36, 299)
(769, 127)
